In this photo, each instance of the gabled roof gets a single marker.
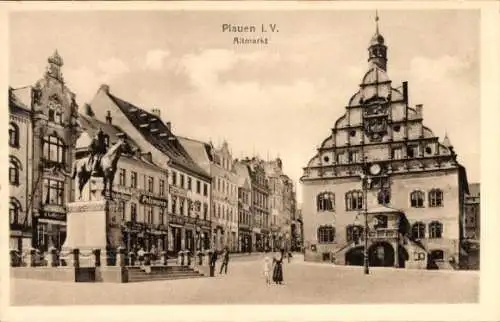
(243, 174)
(168, 144)
(199, 151)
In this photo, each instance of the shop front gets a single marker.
(51, 230)
(175, 234)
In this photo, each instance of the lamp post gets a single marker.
(366, 183)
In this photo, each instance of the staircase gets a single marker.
(158, 273)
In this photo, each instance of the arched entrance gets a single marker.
(381, 254)
(355, 256)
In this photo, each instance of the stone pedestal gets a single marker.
(93, 225)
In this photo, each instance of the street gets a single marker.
(305, 283)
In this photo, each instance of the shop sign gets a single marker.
(177, 191)
(54, 216)
(153, 201)
(176, 220)
(121, 195)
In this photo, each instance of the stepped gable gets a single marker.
(169, 145)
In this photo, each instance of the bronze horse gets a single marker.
(107, 165)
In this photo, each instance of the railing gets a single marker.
(95, 258)
(383, 233)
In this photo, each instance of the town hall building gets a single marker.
(382, 162)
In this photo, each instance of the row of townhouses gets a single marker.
(172, 192)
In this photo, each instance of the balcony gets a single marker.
(383, 233)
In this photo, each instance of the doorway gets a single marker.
(381, 254)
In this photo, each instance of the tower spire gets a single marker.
(378, 49)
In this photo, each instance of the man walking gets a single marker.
(225, 261)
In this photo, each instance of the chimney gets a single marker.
(88, 110)
(419, 108)
(405, 92)
(169, 126)
(109, 119)
(104, 88)
(156, 112)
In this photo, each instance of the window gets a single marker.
(174, 178)
(121, 209)
(161, 215)
(189, 183)
(149, 214)
(182, 181)
(205, 211)
(326, 234)
(341, 158)
(325, 201)
(198, 186)
(354, 200)
(14, 210)
(122, 178)
(418, 230)
(55, 112)
(397, 153)
(162, 187)
(133, 212)
(435, 229)
(133, 179)
(380, 222)
(42, 236)
(353, 156)
(412, 151)
(14, 167)
(435, 198)
(13, 135)
(384, 197)
(417, 199)
(436, 254)
(53, 149)
(354, 232)
(205, 189)
(53, 192)
(174, 205)
(151, 184)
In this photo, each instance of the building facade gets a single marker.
(189, 193)
(43, 130)
(415, 190)
(245, 216)
(218, 162)
(473, 212)
(281, 204)
(260, 204)
(140, 187)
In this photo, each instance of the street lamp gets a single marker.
(366, 183)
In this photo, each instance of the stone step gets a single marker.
(160, 278)
(140, 273)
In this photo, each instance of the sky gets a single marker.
(279, 99)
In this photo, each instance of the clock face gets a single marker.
(375, 169)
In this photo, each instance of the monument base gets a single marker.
(92, 225)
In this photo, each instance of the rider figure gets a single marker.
(97, 150)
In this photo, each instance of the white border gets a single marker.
(487, 310)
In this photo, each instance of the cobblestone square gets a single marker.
(305, 283)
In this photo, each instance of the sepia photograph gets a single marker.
(236, 157)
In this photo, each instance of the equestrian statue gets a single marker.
(102, 163)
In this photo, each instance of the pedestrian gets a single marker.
(278, 268)
(225, 261)
(267, 269)
(140, 255)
